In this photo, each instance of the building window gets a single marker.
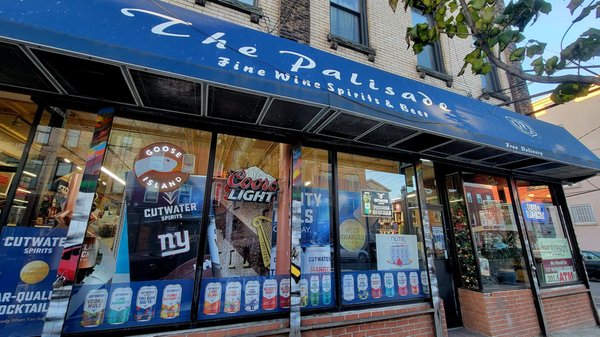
(379, 232)
(431, 56)
(348, 20)
(582, 214)
(490, 81)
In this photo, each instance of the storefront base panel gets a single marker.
(568, 307)
(503, 313)
(408, 320)
(272, 328)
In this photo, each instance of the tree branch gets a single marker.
(516, 71)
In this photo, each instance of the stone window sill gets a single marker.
(340, 41)
(256, 13)
(487, 94)
(424, 71)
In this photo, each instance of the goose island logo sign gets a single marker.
(160, 166)
(522, 126)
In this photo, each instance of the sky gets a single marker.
(550, 29)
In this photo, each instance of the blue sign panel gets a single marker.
(29, 261)
(176, 40)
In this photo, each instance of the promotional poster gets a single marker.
(29, 259)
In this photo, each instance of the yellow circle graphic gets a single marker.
(352, 235)
(34, 272)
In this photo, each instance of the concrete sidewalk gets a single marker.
(577, 332)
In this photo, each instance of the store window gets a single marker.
(495, 233)
(138, 261)
(16, 117)
(431, 56)
(317, 286)
(348, 20)
(552, 251)
(242, 273)
(380, 235)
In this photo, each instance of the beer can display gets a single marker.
(269, 294)
(233, 297)
(348, 287)
(303, 292)
(314, 290)
(119, 306)
(284, 293)
(94, 307)
(388, 284)
(414, 283)
(376, 285)
(402, 284)
(171, 301)
(425, 282)
(326, 288)
(362, 284)
(251, 296)
(145, 303)
(212, 298)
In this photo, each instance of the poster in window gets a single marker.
(396, 252)
(376, 204)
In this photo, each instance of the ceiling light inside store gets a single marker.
(112, 175)
(307, 183)
(23, 201)
(29, 174)
(67, 160)
(78, 167)
(22, 190)
(531, 195)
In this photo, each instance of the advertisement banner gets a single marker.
(376, 204)
(553, 248)
(315, 217)
(534, 211)
(29, 259)
(559, 271)
(385, 285)
(396, 252)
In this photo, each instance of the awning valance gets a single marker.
(337, 97)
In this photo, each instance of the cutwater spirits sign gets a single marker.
(376, 204)
(29, 261)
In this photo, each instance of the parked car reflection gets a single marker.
(591, 261)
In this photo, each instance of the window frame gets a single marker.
(439, 69)
(362, 45)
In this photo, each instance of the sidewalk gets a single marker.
(577, 332)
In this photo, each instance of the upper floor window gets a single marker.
(582, 214)
(431, 56)
(490, 81)
(348, 20)
(249, 2)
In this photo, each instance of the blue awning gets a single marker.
(391, 111)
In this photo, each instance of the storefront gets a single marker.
(176, 171)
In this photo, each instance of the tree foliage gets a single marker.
(497, 29)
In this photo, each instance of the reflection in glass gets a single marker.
(552, 251)
(495, 233)
(380, 235)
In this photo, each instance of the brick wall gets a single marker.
(504, 313)
(410, 320)
(567, 308)
(415, 320)
(295, 20)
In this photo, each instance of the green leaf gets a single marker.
(585, 12)
(504, 39)
(488, 15)
(566, 92)
(453, 6)
(546, 7)
(393, 4)
(536, 49)
(517, 54)
(462, 31)
(573, 5)
(551, 65)
(478, 4)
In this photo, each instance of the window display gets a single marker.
(495, 233)
(139, 256)
(380, 235)
(550, 245)
(317, 285)
(241, 275)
